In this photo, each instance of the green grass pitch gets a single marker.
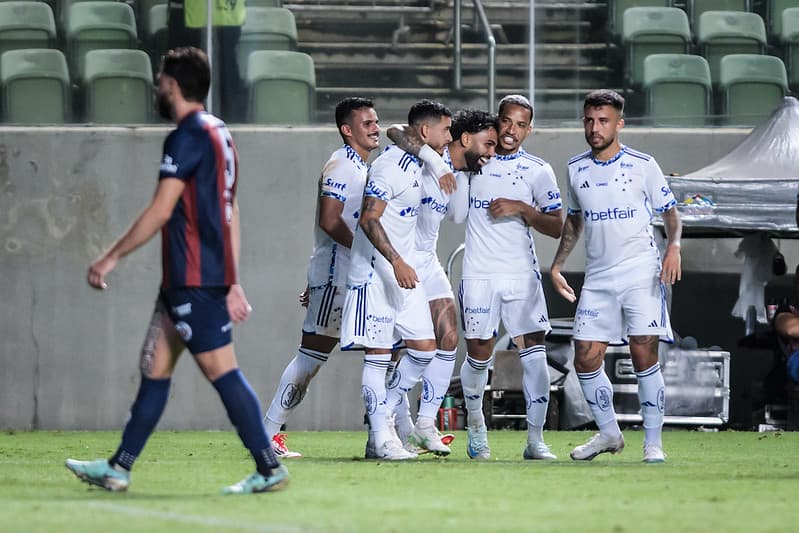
(725, 481)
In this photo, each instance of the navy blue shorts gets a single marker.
(200, 316)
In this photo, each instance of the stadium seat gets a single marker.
(118, 87)
(282, 87)
(98, 26)
(678, 90)
(265, 28)
(652, 30)
(26, 25)
(616, 10)
(35, 85)
(789, 37)
(751, 86)
(729, 32)
(144, 9)
(774, 11)
(156, 34)
(697, 7)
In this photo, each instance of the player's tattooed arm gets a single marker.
(406, 138)
(671, 270)
(371, 211)
(572, 228)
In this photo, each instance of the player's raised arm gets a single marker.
(409, 140)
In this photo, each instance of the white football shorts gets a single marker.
(431, 275)
(614, 312)
(519, 303)
(375, 316)
(323, 316)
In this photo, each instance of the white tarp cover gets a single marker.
(752, 188)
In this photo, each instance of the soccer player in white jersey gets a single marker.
(384, 301)
(516, 192)
(474, 135)
(340, 191)
(613, 193)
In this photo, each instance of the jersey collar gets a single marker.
(611, 160)
(510, 157)
(351, 152)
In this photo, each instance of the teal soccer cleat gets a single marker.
(258, 483)
(100, 473)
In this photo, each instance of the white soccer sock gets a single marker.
(536, 390)
(652, 395)
(474, 378)
(406, 376)
(402, 419)
(598, 392)
(435, 383)
(293, 386)
(373, 387)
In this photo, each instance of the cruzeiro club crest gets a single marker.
(427, 391)
(370, 399)
(603, 398)
(662, 399)
(291, 396)
(395, 379)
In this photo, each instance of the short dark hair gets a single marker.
(517, 99)
(427, 109)
(345, 108)
(190, 69)
(472, 121)
(604, 97)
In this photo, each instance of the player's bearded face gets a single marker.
(601, 126)
(482, 149)
(163, 106)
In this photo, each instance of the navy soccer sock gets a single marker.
(144, 415)
(244, 412)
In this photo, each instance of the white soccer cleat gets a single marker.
(538, 451)
(428, 439)
(477, 443)
(653, 454)
(392, 450)
(281, 449)
(598, 444)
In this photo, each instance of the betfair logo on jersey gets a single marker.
(436, 206)
(477, 310)
(411, 211)
(332, 184)
(478, 203)
(168, 166)
(379, 319)
(593, 313)
(614, 213)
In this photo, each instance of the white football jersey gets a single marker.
(503, 248)
(394, 177)
(617, 200)
(432, 210)
(343, 178)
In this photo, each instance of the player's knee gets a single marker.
(448, 341)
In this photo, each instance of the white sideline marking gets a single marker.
(194, 519)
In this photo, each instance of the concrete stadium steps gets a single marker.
(400, 51)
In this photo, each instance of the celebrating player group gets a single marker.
(375, 282)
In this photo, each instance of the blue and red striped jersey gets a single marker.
(196, 245)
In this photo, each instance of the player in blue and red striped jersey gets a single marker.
(195, 208)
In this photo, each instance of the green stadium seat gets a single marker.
(118, 87)
(729, 32)
(98, 26)
(156, 35)
(144, 9)
(751, 87)
(774, 11)
(616, 9)
(678, 90)
(282, 87)
(789, 37)
(652, 30)
(697, 7)
(26, 25)
(35, 86)
(265, 28)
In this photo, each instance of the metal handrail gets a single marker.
(490, 42)
(458, 250)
